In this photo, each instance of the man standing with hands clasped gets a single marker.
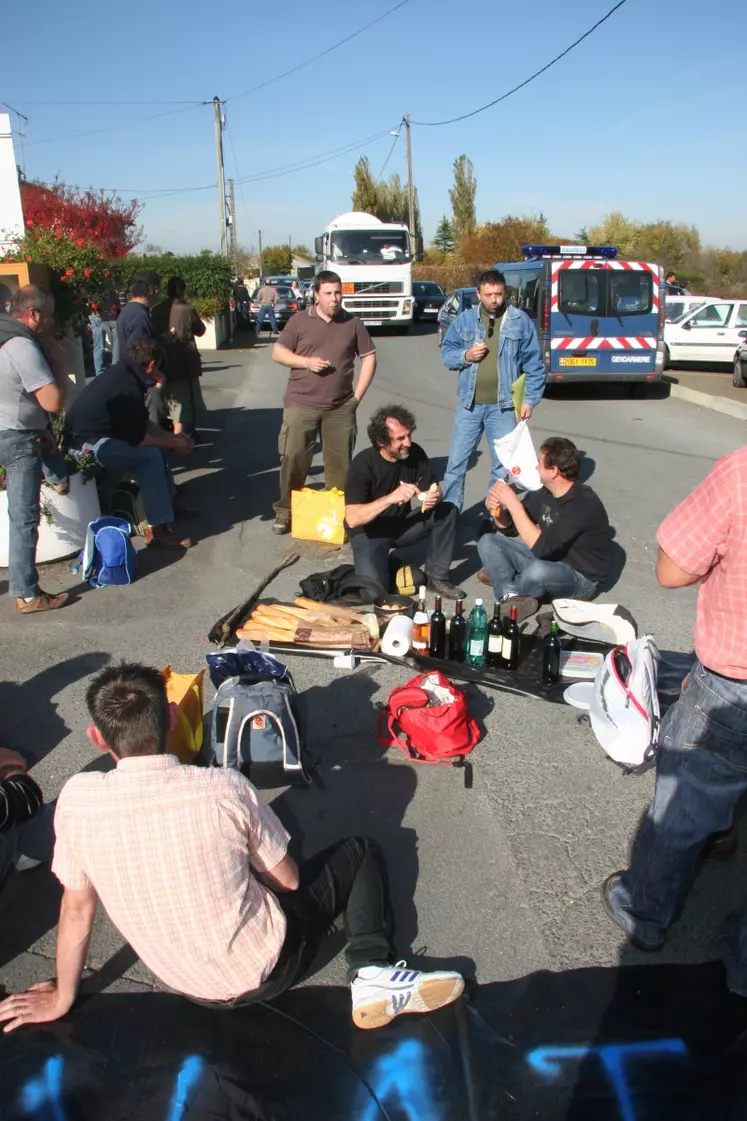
(320, 346)
(491, 345)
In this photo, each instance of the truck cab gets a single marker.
(374, 262)
(598, 318)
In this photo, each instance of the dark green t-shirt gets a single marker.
(486, 389)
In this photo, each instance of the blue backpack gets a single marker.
(108, 557)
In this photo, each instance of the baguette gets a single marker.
(258, 633)
(335, 610)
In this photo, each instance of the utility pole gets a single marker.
(410, 188)
(232, 239)
(261, 266)
(221, 175)
(290, 251)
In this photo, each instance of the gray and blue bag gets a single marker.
(108, 558)
(255, 722)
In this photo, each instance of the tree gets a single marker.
(503, 241)
(365, 195)
(276, 260)
(462, 196)
(444, 238)
(303, 251)
(85, 218)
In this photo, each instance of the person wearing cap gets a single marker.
(554, 544)
(701, 762)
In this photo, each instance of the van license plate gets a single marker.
(374, 322)
(578, 361)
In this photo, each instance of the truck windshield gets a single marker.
(381, 247)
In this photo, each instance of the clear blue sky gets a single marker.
(646, 116)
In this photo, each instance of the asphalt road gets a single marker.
(503, 878)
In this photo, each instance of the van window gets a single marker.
(630, 293)
(528, 295)
(580, 291)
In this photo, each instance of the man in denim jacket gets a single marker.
(491, 345)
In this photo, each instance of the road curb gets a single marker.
(707, 400)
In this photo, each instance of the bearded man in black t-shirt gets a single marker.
(383, 483)
(557, 543)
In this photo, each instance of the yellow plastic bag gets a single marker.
(318, 515)
(185, 690)
(518, 390)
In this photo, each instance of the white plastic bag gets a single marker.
(516, 453)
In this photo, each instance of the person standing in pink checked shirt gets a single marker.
(193, 870)
(701, 766)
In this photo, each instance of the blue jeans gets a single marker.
(469, 425)
(101, 329)
(265, 312)
(35, 839)
(513, 569)
(153, 475)
(25, 463)
(701, 774)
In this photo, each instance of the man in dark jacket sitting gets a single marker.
(26, 824)
(110, 418)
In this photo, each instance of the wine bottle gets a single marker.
(458, 633)
(511, 641)
(551, 656)
(477, 638)
(437, 638)
(420, 627)
(495, 639)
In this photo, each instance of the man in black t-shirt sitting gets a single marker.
(561, 543)
(382, 483)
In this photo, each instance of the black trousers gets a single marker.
(350, 877)
(371, 554)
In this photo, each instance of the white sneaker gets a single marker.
(380, 994)
(26, 863)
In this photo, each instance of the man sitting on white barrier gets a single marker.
(554, 544)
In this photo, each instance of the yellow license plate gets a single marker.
(578, 361)
(348, 288)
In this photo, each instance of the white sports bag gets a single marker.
(624, 710)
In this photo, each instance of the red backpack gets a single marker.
(429, 721)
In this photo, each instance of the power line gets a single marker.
(314, 161)
(123, 124)
(322, 54)
(464, 116)
(386, 161)
(150, 101)
(239, 179)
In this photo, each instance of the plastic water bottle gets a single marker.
(477, 638)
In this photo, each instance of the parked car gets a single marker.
(286, 306)
(307, 292)
(675, 307)
(454, 304)
(429, 298)
(740, 362)
(710, 333)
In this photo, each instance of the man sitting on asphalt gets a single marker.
(563, 547)
(382, 482)
(193, 870)
(110, 418)
(26, 824)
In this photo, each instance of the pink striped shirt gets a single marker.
(707, 536)
(170, 849)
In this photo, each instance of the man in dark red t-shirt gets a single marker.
(320, 346)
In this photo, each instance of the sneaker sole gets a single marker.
(426, 997)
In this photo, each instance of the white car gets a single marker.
(710, 333)
(675, 307)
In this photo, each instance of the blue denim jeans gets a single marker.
(513, 569)
(101, 329)
(153, 475)
(469, 425)
(267, 311)
(701, 774)
(35, 839)
(25, 463)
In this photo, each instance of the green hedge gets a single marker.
(208, 276)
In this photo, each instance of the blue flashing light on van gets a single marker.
(598, 318)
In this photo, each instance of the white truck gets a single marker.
(374, 262)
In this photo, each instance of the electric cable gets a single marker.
(386, 161)
(474, 112)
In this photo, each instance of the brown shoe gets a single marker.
(42, 601)
(483, 577)
(164, 537)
